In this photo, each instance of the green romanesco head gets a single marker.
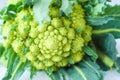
(57, 44)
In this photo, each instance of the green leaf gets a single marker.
(27, 2)
(10, 11)
(3, 58)
(112, 10)
(95, 7)
(55, 76)
(110, 13)
(82, 1)
(104, 60)
(63, 74)
(99, 20)
(1, 49)
(67, 6)
(33, 71)
(107, 44)
(85, 70)
(16, 61)
(113, 27)
(10, 59)
(106, 49)
(98, 9)
(90, 52)
(41, 11)
(19, 70)
(117, 64)
(15, 67)
(60, 74)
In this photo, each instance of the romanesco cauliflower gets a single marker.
(57, 44)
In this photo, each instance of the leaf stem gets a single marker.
(3, 59)
(105, 31)
(17, 68)
(105, 59)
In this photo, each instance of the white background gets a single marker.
(111, 75)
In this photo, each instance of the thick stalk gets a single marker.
(105, 59)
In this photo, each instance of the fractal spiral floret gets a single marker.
(54, 44)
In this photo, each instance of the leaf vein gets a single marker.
(80, 72)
